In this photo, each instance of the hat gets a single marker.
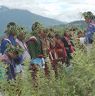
(37, 26)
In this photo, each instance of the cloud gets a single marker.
(63, 10)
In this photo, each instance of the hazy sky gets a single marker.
(63, 10)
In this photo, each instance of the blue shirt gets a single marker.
(89, 33)
(18, 60)
(5, 42)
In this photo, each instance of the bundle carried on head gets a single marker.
(36, 27)
(89, 15)
(11, 27)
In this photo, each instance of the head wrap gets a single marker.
(11, 28)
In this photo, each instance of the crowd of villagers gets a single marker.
(41, 47)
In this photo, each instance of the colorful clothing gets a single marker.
(89, 33)
(10, 66)
(34, 47)
(18, 64)
(25, 54)
(38, 61)
(12, 63)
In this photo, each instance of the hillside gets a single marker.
(81, 25)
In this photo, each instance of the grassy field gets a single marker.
(76, 80)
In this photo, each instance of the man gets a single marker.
(90, 19)
(34, 44)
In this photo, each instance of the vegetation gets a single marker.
(76, 80)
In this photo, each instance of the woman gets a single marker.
(20, 40)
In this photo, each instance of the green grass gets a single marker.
(77, 80)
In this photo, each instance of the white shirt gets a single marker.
(82, 40)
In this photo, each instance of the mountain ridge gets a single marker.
(23, 18)
(26, 19)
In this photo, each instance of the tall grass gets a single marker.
(76, 80)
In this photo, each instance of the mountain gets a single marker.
(23, 18)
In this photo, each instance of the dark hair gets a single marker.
(11, 24)
(66, 34)
(73, 29)
(51, 29)
(57, 36)
(89, 15)
(80, 32)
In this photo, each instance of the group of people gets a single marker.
(42, 44)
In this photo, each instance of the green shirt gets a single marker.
(35, 48)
